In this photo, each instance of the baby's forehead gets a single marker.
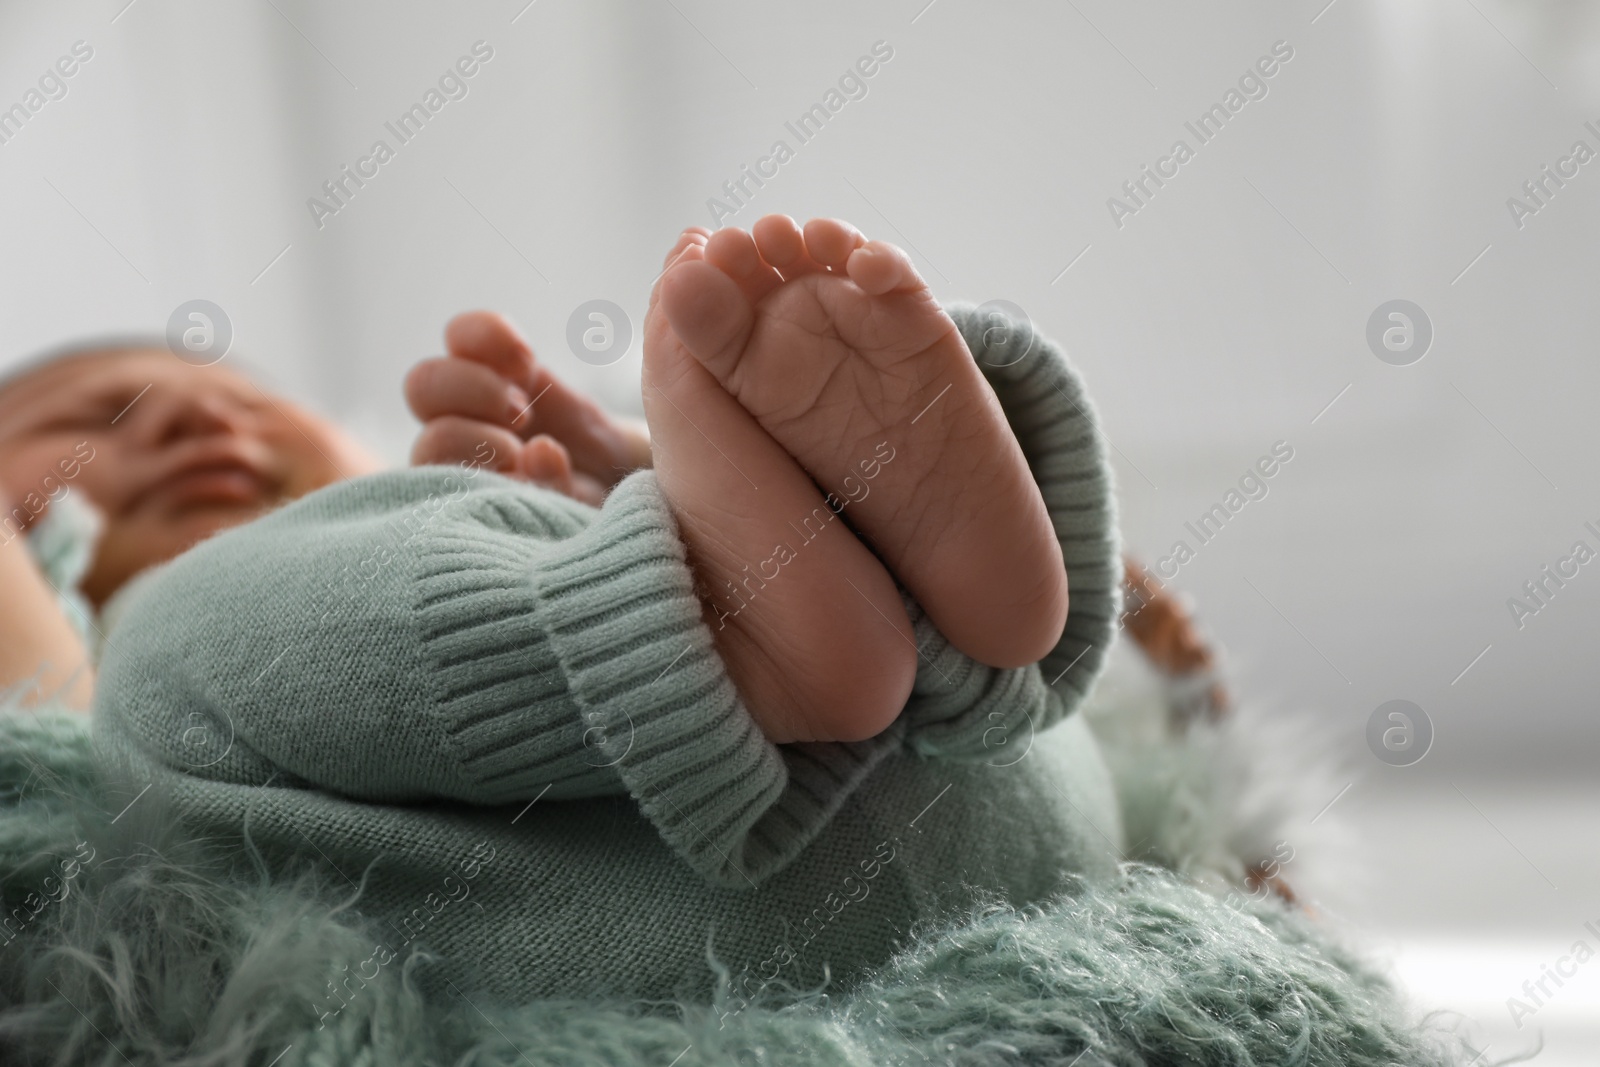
(74, 384)
(50, 372)
(83, 372)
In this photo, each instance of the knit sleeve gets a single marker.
(658, 709)
(425, 635)
(963, 709)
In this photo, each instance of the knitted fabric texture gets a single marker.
(127, 943)
(498, 716)
(63, 544)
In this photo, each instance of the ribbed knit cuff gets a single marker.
(499, 694)
(656, 702)
(960, 708)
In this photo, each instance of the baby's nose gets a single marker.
(199, 415)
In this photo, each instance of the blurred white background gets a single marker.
(1228, 314)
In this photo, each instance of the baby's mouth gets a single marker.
(223, 483)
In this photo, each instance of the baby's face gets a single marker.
(199, 449)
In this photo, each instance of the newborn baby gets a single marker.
(804, 685)
(166, 453)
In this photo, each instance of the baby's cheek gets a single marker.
(320, 456)
(130, 545)
(100, 473)
(50, 469)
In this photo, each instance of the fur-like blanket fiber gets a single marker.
(152, 955)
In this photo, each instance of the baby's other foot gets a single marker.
(843, 355)
(806, 620)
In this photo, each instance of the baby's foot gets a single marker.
(840, 351)
(807, 621)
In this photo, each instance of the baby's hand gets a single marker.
(41, 656)
(492, 403)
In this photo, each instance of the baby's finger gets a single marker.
(451, 439)
(588, 489)
(489, 339)
(437, 387)
(547, 463)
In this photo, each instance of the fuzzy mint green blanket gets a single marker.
(124, 953)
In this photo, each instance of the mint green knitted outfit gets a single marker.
(500, 714)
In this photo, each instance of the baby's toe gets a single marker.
(830, 241)
(690, 235)
(733, 251)
(879, 267)
(708, 311)
(690, 246)
(781, 243)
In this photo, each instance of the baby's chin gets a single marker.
(127, 548)
(198, 523)
(187, 528)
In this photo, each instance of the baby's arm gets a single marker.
(41, 655)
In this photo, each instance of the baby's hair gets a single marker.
(104, 345)
(109, 345)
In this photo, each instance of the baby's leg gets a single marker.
(837, 348)
(807, 621)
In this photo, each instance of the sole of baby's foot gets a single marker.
(842, 354)
(807, 621)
